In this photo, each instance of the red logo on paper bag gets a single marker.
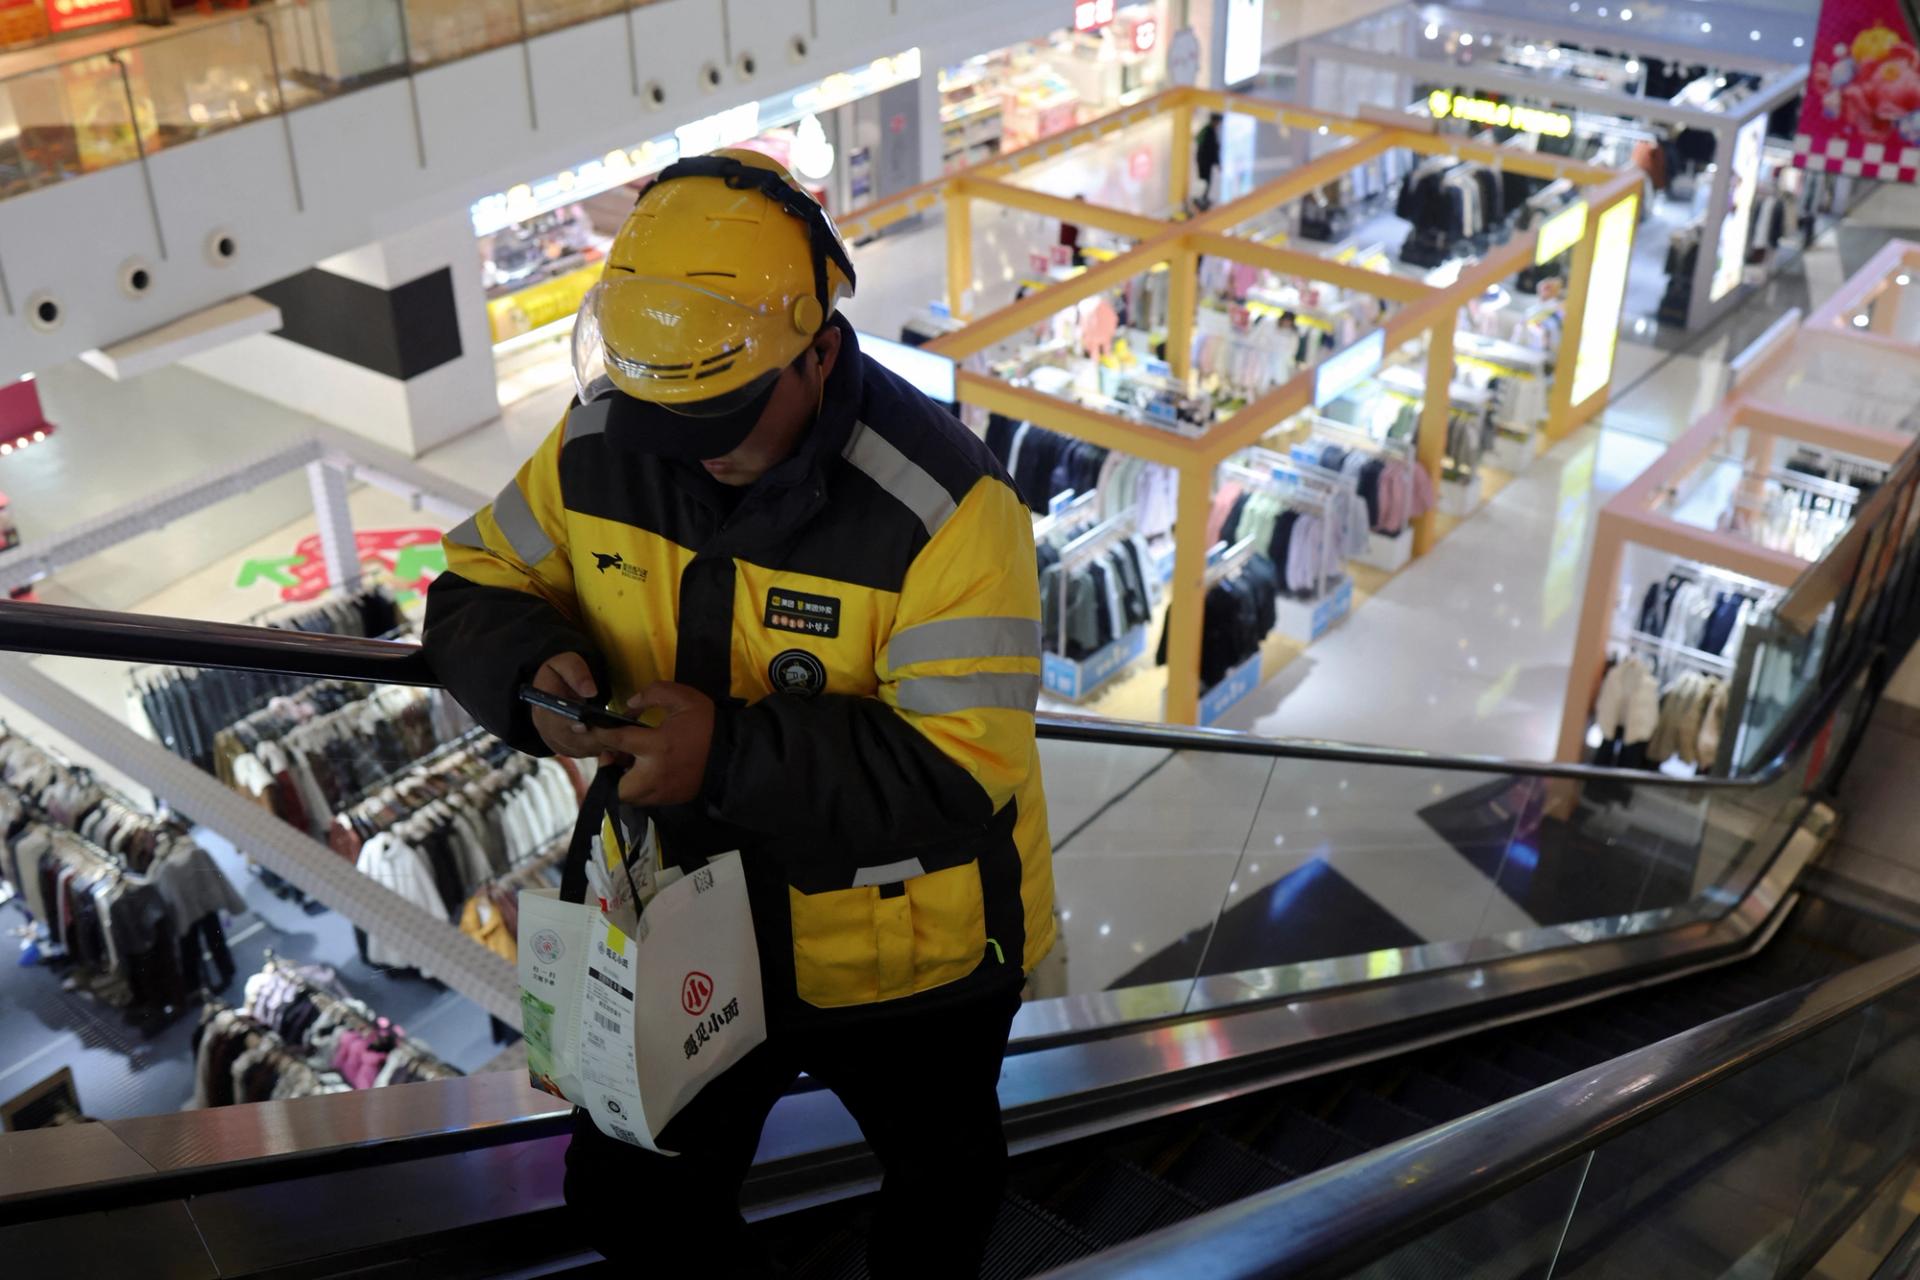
(696, 991)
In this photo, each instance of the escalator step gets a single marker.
(1530, 1064)
(1219, 1170)
(1627, 1023)
(1374, 1121)
(1430, 1096)
(1300, 1141)
(1476, 1075)
(841, 1256)
(1581, 1053)
(1117, 1201)
(1027, 1240)
(1610, 1040)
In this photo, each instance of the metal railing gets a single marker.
(141, 638)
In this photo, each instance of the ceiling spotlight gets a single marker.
(1903, 279)
(1626, 15)
(38, 436)
(1633, 66)
(1433, 31)
(1706, 28)
(1753, 35)
(1553, 55)
(1602, 11)
(1466, 38)
(1574, 7)
(1799, 42)
(1860, 322)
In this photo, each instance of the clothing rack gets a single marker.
(1094, 541)
(1062, 516)
(1224, 561)
(1662, 650)
(467, 738)
(1346, 434)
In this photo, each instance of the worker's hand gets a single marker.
(665, 765)
(564, 675)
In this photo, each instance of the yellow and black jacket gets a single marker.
(866, 618)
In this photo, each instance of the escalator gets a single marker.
(1074, 1201)
(1495, 1101)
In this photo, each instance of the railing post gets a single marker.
(413, 89)
(280, 99)
(526, 64)
(140, 149)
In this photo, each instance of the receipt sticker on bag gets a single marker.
(629, 1021)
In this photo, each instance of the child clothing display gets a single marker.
(1088, 601)
(1238, 614)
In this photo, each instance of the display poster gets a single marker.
(407, 560)
(1239, 151)
(1606, 293)
(73, 15)
(1245, 38)
(1861, 113)
(21, 21)
(1730, 259)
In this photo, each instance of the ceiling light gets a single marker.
(1105, 929)
(1799, 42)
(1860, 322)
(1626, 15)
(1466, 38)
(38, 436)
(1753, 35)
(1706, 28)
(1903, 279)
(1574, 7)
(1602, 11)
(1553, 55)
(1633, 66)
(1433, 31)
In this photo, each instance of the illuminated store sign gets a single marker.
(1089, 15)
(1560, 233)
(722, 129)
(1730, 256)
(930, 374)
(1340, 372)
(1606, 291)
(1501, 115)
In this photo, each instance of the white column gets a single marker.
(389, 340)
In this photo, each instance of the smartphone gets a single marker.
(586, 713)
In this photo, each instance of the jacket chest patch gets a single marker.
(798, 672)
(604, 561)
(807, 614)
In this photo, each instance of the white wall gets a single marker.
(349, 171)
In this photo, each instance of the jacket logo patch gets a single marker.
(603, 562)
(798, 672)
(798, 611)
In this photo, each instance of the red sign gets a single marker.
(1039, 261)
(1091, 14)
(21, 21)
(73, 15)
(696, 993)
(1062, 255)
(1861, 113)
(1146, 34)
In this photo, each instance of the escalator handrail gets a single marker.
(143, 638)
(1332, 1223)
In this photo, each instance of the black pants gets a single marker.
(204, 959)
(922, 1087)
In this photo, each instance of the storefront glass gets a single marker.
(1112, 57)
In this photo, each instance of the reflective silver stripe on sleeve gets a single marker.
(939, 695)
(587, 420)
(467, 534)
(900, 476)
(520, 527)
(950, 638)
(891, 873)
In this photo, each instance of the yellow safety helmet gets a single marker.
(720, 277)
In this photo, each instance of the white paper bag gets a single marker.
(664, 1011)
(553, 946)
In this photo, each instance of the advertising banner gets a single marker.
(1861, 116)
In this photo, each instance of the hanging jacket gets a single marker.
(866, 620)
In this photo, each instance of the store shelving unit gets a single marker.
(1419, 327)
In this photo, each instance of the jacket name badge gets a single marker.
(798, 611)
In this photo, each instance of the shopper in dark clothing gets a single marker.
(1206, 154)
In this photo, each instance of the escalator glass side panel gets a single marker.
(1758, 1175)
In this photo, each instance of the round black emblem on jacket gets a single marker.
(797, 671)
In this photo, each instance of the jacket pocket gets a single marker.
(859, 946)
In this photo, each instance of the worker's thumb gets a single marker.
(574, 671)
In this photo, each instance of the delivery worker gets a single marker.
(819, 587)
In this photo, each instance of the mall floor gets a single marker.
(1465, 651)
